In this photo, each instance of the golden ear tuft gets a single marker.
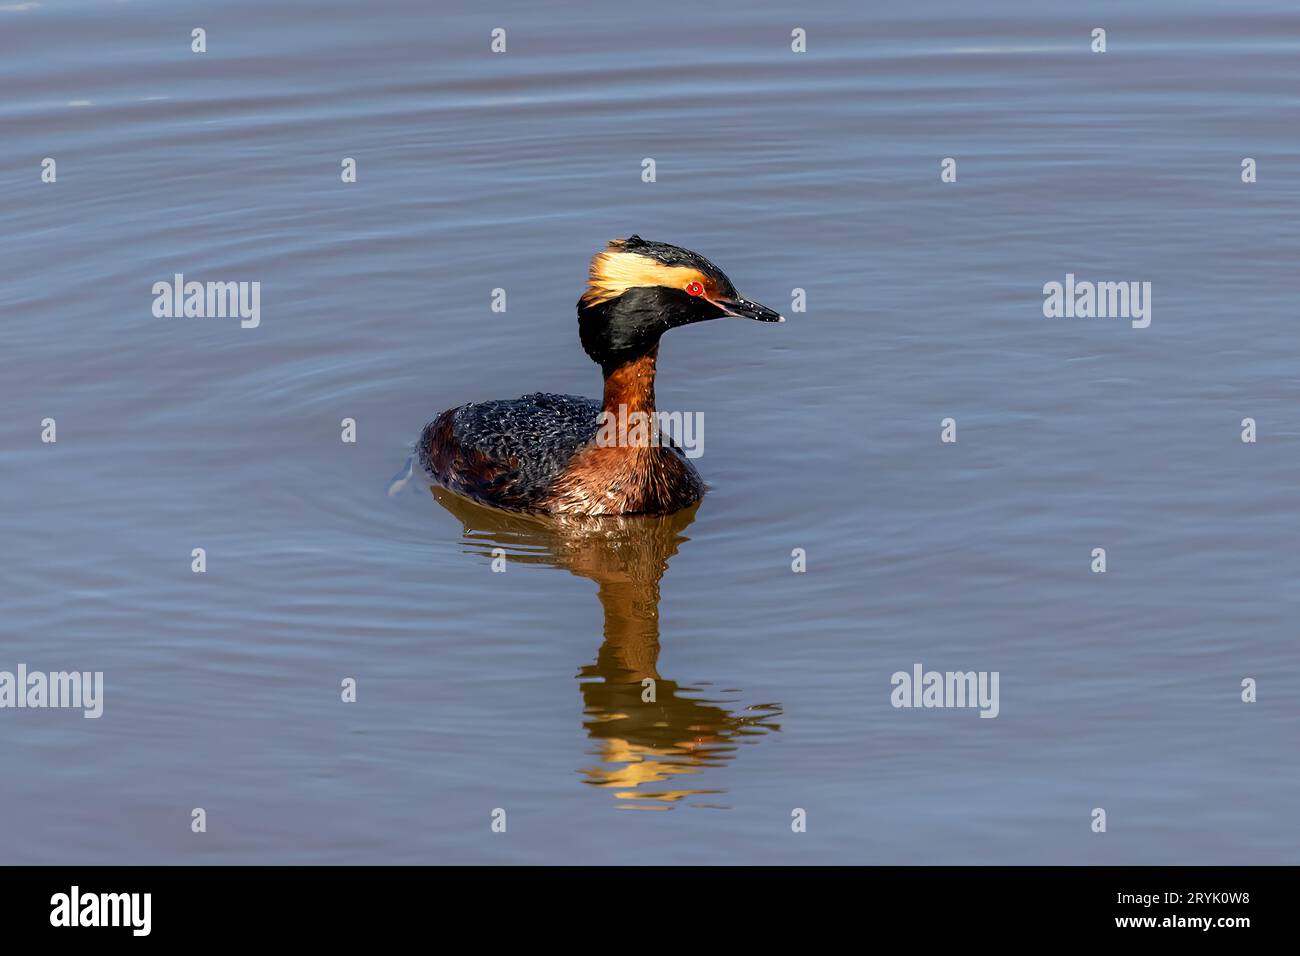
(615, 270)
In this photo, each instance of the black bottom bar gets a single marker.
(368, 904)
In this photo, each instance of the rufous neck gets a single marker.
(632, 386)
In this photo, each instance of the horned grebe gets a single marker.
(540, 453)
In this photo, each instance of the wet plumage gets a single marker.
(508, 452)
(538, 453)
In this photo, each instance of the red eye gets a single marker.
(694, 288)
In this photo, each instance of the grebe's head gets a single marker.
(638, 290)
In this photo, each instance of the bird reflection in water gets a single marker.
(650, 732)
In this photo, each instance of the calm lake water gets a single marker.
(521, 690)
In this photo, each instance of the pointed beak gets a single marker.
(744, 309)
